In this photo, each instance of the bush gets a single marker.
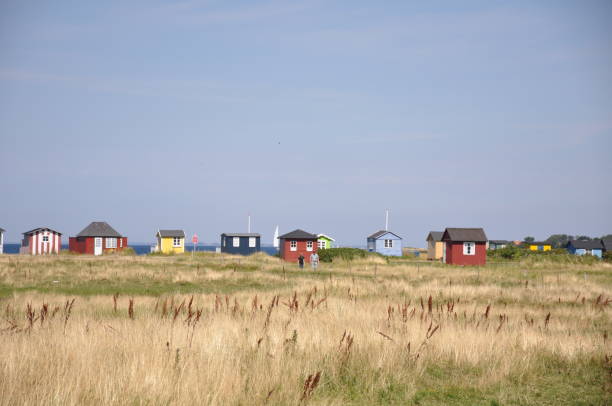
(508, 252)
(607, 256)
(348, 254)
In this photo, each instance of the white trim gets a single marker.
(325, 236)
(252, 242)
(388, 243)
(235, 242)
(293, 245)
(309, 245)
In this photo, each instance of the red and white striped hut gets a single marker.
(41, 241)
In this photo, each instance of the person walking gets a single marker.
(301, 261)
(314, 261)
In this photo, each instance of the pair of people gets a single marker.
(314, 261)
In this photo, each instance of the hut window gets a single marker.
(111, 243)
(252, 242)
(321, 244)
(45, 238)
(309, 245)
(176, 242)
(121, 242)
(293, 245)
(388, 243)
(469, 248)
(236, 242)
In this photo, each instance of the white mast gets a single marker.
(249, 228)
(387, 220)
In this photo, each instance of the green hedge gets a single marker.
(560, 255)
(348, 254)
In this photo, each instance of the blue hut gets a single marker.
(386, 243)
(579, 247)
(240, 243)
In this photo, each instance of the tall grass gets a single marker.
(371, 334)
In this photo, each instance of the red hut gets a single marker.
(96, 239)
(296, 243)
(464, 246)
(41, 241)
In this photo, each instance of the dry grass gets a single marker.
(224, 330)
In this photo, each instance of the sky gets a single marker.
(308, 114)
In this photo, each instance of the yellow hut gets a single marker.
(537, 246)
(434, 245)
(170, 241)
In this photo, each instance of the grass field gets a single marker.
(241, 331)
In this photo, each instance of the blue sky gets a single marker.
(307, 114)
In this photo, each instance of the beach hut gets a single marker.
(537, 245)
(240, 243)
(170, 241)
(464, 246)
(97, 238)
(607, 245)
(579, 247)
(1, 240)
(324, 241)
(497, 244)
(386, 243)
(41, 241)
(434, 245)
(296, 243)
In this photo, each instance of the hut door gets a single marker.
(97, 246)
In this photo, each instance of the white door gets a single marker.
(444, 252)
(97, 246)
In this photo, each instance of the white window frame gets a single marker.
(309, 245)
(252, 242)
(293, 245)
(111, 242)
(45, 238)
(176, 242)
(120, 242)
(321, 244)
(236, 242)
(469, 248)
(388, 243)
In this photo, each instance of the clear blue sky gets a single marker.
(308, 114)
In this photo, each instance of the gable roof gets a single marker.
(587, 245)
(464, 234)
(41, 229)
(325, 236)
(171, 233)
(435, 235)
(241, 234)
(536, 243)
(98, 229)
(298, 235)
(380, 233)
(607, 244)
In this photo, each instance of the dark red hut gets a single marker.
(464, 246)
(96, 239)
(296, 243)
